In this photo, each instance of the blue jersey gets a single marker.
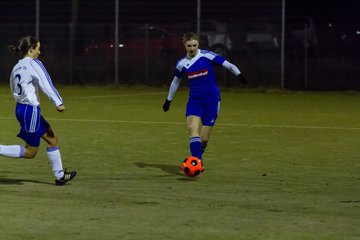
(199, 71)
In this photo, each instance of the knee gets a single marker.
(30, 153)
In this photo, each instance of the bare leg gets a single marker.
(205, 135)
(193, 123)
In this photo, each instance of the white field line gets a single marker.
(183, 123)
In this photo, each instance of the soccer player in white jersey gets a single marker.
(204, 96)
(27, 77)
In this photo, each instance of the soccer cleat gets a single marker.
(67, 177)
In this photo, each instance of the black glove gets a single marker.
(166, 105)
(242, 78)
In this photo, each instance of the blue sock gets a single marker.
(195, 147)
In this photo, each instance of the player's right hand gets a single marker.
(242, 78)
(166, 105)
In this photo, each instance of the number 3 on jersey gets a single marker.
(18, 88)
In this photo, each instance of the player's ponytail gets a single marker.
(23, 46)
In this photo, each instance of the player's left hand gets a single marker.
(60, 108)
(242, 78)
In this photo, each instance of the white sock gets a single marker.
(55, 161)
(15, 151)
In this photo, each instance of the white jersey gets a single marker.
(27, 77)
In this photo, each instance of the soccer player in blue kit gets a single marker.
(204, 96)
(27, 77)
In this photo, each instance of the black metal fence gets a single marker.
(318, 55)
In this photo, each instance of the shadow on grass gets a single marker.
(172, 169)
(9, 181)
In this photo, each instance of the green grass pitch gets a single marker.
(279, 165)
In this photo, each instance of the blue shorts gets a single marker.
(207, 111)
(32, 124)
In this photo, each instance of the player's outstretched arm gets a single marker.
(173, 88)
(45, 82)
(235, 70)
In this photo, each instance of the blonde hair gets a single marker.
(189, 36)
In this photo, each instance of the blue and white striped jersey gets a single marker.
(27, 77)
(199, 72)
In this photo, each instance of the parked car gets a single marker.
(265, 33)
(302, 30)
(213, 34)
(262, 34)
(146, 41)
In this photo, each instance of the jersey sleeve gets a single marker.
(213, 57)
(231, 67)
(218, 60)
(178, 69)
(45, 82)
(178, 72)
(173, 88)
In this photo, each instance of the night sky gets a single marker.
(95, 11)
(323, 11)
